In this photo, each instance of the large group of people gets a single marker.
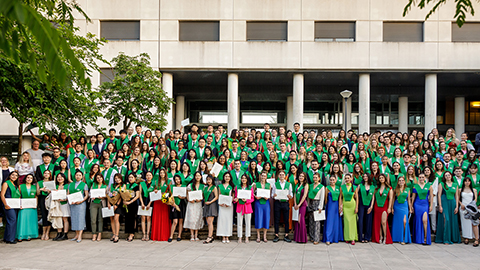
(379, 187)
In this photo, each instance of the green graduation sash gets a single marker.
(335, 192)
(402, 197)
(313, 191)
(95, 186)
(26, 194)
(225, 191)
(286, 187)
(367, 197)
(450, 192)
(79, 188)
(381, 198)
(347, 194)
(422, 192)
(259, 185)
(207, 191)
(298, 193)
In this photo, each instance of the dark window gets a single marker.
(199, 31)
(266, 31)
(334, 31)
(106, 75)
(120, 30)
(469, 32)
(403, 31)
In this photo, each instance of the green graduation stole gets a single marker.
(163, 187)
(79, 188)
(298, 193)
(450, 192)
(394, 179)
(335, 192)
(357, 180)
(50, 168)
(286, 187)
(225, 191)
(422, 192)
(13, 189)
(347, 194)
(95, 186)
(207, 191)
(313, 191)
(146, 190)
(57, 161)
(88, 164)
(131, 186)
(381, 198)
(402, 197)
(26, 194)
(366, 197)
(40, 186)
(259, 185)
(73, 170)
(108, 175)
(119, 143)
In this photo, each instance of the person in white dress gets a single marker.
(225, 212)
(467, 195)
(194, 213)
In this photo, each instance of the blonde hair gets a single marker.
(21, 160)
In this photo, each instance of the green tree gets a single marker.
(135, 94)
(463, 8)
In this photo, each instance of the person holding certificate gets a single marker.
(10, 191)
(262, 206)
(78, 209)
(348, 206)
(177, 215)
(132, 205)
(96, 218)
(333, 229)
(210, 209)
(43, 193)
(316, 197)
(117, 207)
(282, 192)
(243, 198)
(194, 214)
(161, 211)
(27, 221)
(60, 182)
(300, 205)
(146, 187)
(225, 211)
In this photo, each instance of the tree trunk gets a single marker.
(20, 139)
(125, 123)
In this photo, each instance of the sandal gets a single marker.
(113, 238)
(208, 241)
(265, 239)
(465, 241)
(258, 240)
(144, 237)
(475, 244)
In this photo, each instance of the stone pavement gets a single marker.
(185, 255)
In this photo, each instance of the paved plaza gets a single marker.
(185, 255)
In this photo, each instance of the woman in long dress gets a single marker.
(382, 206)
(401, 210)
(177, 215)
(27, 222)
(262, 208)
(467, 195)
(348, 206)
(194, 213)
(161, 222)
(300, 204)
(316, 197)
(364, 195)
(333, 229)
(132, 206)
(447, 221)
(422, 198)
(78, 209)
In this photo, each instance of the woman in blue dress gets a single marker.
(364, 195)
(262, 208)
(401, 209)
(333, 229)
(78, 209)
(10, 190)
(422, 198)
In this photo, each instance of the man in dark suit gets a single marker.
(100, 145)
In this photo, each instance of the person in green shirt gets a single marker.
(96, 218)
(178, 212)
(262, 208)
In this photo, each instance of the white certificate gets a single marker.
(108, 212)
(75, 197)
(59, 194)
(295, 214)
(271, 181)
(204, 178)
(264, 193)
(216, 169)
(185, 122)
(144, 212)
(179, 191)
(98, 193)
(50, 185)
(282, 194)
(244, 194)
(259, 168)
(224, 199)
(13, 203)
(318, 216)
(195, 195)
(155, 196)
(29, 203)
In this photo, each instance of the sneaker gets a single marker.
(286, 239)
(275, 239)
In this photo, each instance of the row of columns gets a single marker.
(295, 104)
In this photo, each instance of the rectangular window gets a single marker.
(469, 32)
(266, 31)
(120, 30)
(199, 31)
(106, 75)
(403, 31)
(334, 31)
(213, 117)
(259, 118)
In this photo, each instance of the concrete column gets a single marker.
(233, 102)
(179, 111)
(167, 81)
(348, 113)
(430, 102)
(364, 103)
(290, 112)
(403, 114)
(297, 101)
(459, 116)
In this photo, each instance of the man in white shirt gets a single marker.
(282, 206)
(35, 154)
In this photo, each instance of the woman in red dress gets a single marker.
(161, 212)
(382, 207)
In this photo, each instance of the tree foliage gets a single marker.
(463, 8)
(135, 94)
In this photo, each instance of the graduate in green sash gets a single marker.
(316, 198)
(62, 229)
(210, 209)
(262, 207)
(178, 210)
(448, 200)
(146, 187)
(132, 206)
(27, 224)
(78, 209)
(96, 218)
(382, 206)
(43, 193)
(347, 206)
(194, 213)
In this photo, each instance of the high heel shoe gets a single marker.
(116, 239)
(209, 240)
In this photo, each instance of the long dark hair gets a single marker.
(230, 183)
